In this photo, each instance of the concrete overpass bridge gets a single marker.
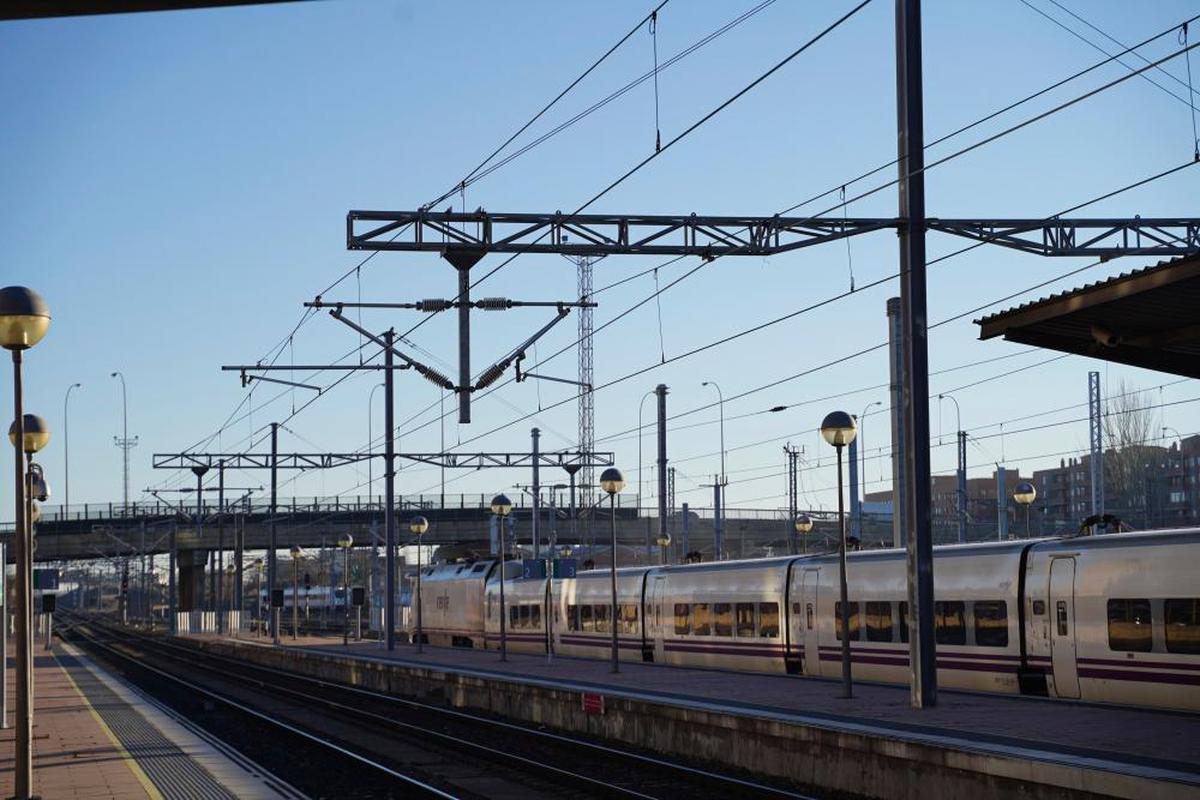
(459, 524)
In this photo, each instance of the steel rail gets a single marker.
(191, 653)
(261, 716)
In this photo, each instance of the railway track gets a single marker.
(438, 748)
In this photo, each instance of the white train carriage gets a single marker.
(585, 610)
(524, 602)
(727, 615)
(1108, 618)
(976, 625)
(525, 609)
(452, 599)
(1117, 618)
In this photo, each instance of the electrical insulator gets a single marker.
(493, 303)
(433, 376)
(433, 305)
(489, 376)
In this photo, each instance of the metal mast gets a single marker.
(587, 407)
(1096, 440)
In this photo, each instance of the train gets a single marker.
(1109, 618)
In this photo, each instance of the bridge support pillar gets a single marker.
(191, 579)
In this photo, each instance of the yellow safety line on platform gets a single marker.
(142, 777)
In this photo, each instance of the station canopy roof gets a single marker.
(1147, 318)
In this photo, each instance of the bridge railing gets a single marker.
(118, 512)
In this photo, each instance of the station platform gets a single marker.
(1074, 749)
(95, 737)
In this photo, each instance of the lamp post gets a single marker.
(346, 541)
(67, 453)
(418, 525)
(719, 517)
(960, 473)
(295, 552)
(862, 466)
(1025, 494)
(838, 429)
(258, 603)
(371, 443)
(664, 541)
(612, 481)
(804, 526)
(124, 442)
(641, 406)
(24, 320)
(502, 507)
(230, 570)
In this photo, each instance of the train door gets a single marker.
(655, 632)
(805, 625)
(1062, 627)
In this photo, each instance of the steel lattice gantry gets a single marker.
(305, 461)
(713, 236)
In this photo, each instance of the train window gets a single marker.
(808, 615)
(572, 617)
(628, 619)
(701, 620)
(768, 620)
(903, 621)
(879, 622)
(991, 623)
(1183, 625)
(682, 626)
(1060, 610)
(524, 616)
(513, 611)
(744, 617)
(1129, 625)
(586, 623)
(479, 568)
(535, 616)
(855, 622)
(722, 619)
(949, 624)
(601, 614)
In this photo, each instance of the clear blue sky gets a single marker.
(176, 184)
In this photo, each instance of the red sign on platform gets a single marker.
(593, 703)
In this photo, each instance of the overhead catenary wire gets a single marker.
(1009, 130)
(963, 151)
(985, 306)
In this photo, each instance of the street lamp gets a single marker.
(296, 552)
(1025, 494)
(418, 525)
(862, 465)
(664, 541)
(124, 442)
(641, 482)
(67, 454)
(804, 526)
(719, 521)
(838, 429)
(502, 507)
(258, 604)
(24, 320)
(612, 481)
(346, 541)
(371, 443)
(230, 571)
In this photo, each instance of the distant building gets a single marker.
(1146, 486)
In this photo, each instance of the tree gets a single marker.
(1130, 424)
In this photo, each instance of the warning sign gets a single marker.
(593, 703)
